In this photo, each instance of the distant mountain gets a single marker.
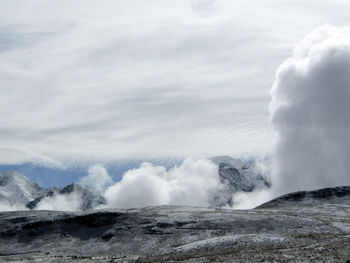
(16, 189)
(236, 176)
(89, 198)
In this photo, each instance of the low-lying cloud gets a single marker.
(310, 112)
(7, 206)
(195, 182)
(191, 183)
(60, 202)
(97, 178)
(247, 200)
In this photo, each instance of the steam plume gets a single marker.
(310, 111)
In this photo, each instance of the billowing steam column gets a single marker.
(310, 110)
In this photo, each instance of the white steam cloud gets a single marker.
(248, 200)
(7, 206)
(97, 178)
(191, 183)
(60, 202)
(196, 182)
(310, 110)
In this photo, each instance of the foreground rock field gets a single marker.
(311, 228)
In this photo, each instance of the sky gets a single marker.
(98, 81)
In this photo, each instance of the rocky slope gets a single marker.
(276, 232)
(334, 195)
(16, 189)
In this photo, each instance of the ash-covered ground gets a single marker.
(304, 226)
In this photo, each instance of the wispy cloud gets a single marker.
(134, 78)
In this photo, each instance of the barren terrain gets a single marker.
(293, 228)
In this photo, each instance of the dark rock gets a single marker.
(310, 198)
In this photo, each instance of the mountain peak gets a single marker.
(10, 176)
(236, 163)
(236, 176)
(15, 188)
(88, 198)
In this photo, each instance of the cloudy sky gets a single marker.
(105, 80)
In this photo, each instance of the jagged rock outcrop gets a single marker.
(16, 189)
(236, 176)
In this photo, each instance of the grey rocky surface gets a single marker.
(296, 231)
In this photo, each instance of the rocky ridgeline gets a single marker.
(311, 198)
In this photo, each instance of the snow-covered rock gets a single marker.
(17, 190)
(86, 199)
(236, 176)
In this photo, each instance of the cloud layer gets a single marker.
(115, 79)
(192, 183)
(310, 111)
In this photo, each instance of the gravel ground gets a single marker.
(299, 231)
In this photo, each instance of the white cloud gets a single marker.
(115, 79)
(97, 179)
(249, 200)
(61, 202)
(6, 206)
(310, 111)
(12, 156)
(191, 183)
